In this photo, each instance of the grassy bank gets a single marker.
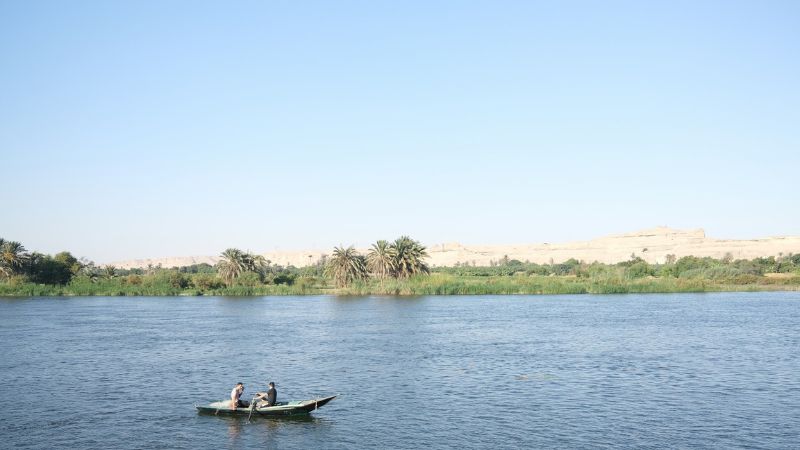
(154, 286)
(434, 284)
(445, 284)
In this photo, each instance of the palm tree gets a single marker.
(380, 260)
(109, 272)
(12, 257)
(234, 263)
(257, 263)
(346, 266)
(408, 256)
(90, 271)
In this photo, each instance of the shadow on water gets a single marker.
(238, 298)
(350, 298)
(20, 299)
(400, 298)
(367, 298)
(275, 421)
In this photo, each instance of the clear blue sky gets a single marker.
(143, 129)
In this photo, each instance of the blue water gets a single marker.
(697, 370)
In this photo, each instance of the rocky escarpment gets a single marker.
(653, 245)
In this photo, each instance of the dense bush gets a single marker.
(248, 279)
(305, 283)
(639, 270)
(207, 281)
(198, 268)
(178, 280)
(45, 269)
(134, 280)
(687, 267)
(284, 278)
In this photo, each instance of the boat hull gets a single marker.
(280, 410)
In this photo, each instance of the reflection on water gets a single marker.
(267, 426)
(234, 428)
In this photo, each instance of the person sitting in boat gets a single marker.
(268, 398)
(236, 395)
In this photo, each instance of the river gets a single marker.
(714, 370)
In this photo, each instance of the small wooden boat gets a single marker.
(279, 409)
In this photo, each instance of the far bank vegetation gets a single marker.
(388, 268)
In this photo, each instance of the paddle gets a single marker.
(252, 407)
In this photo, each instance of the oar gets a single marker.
(252, 407)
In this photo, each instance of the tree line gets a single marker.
(36, 267)
(388, 263)
(401, 258)
(720, 269)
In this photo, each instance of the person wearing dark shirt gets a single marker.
(269, 398)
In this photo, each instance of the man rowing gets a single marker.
(268, 398)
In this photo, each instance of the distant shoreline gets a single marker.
(437, 284)
(399, 267)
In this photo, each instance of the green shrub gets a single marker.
(45, 269)
(248, 279)
(639, 269)
(207, 282)
(744, 279)
(721, 273)
(178, 280)
(133, 280)
(284, 279)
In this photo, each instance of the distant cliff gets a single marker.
(652, 245)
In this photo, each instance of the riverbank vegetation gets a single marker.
(388, 268)
(402, 259)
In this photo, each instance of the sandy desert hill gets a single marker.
(653, 245)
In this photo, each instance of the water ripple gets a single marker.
(654, 371)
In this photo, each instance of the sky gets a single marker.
(149, 129)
